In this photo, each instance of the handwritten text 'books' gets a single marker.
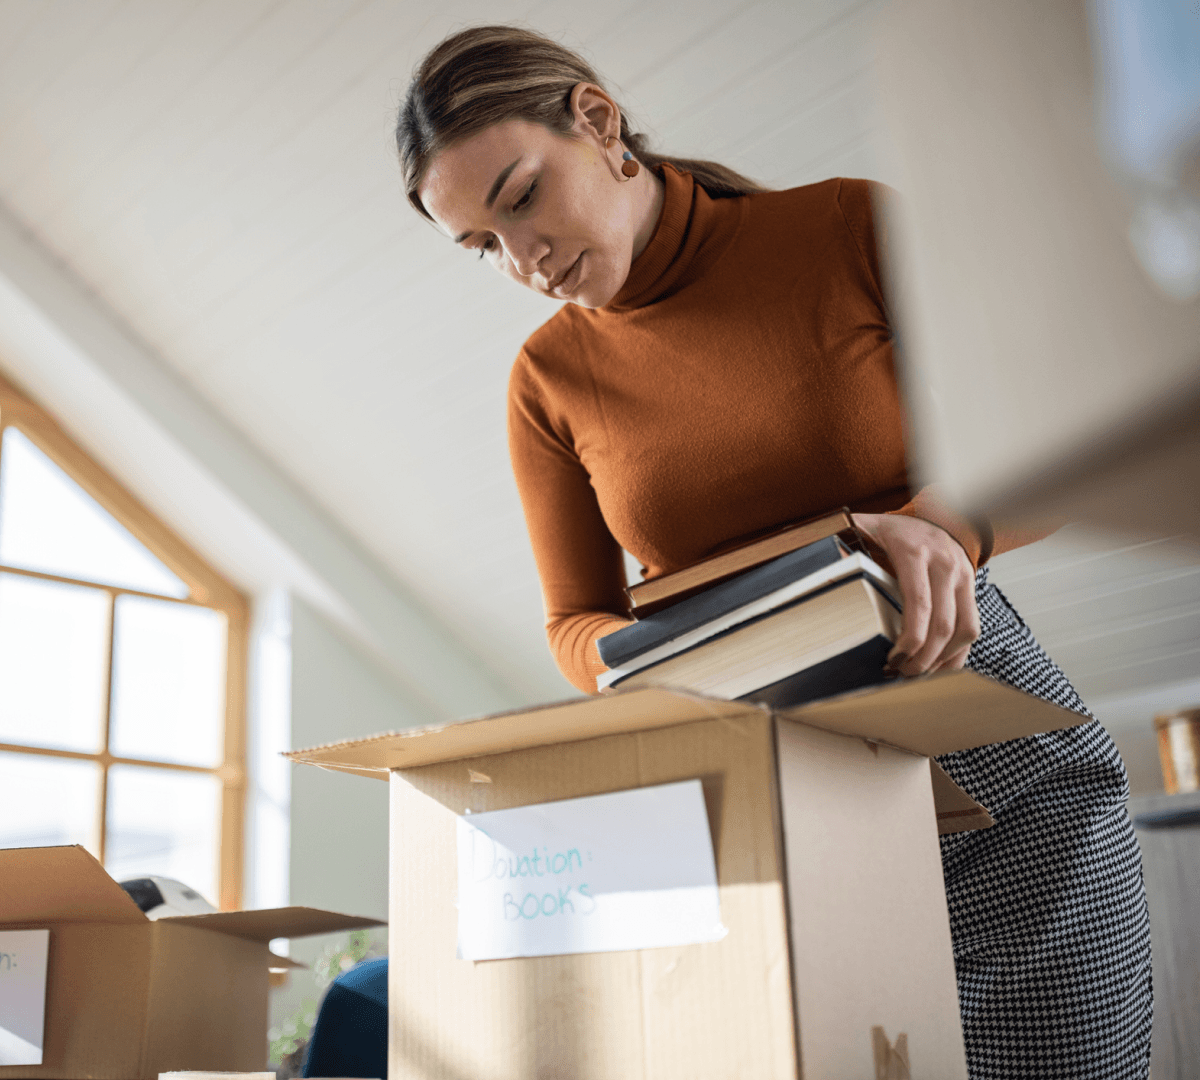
(603, 873)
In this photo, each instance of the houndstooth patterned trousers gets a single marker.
(1047, 907)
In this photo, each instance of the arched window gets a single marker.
(122, 672)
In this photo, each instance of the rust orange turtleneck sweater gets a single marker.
(741, 379)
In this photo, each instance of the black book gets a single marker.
(673, 622)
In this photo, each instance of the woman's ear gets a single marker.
(595, 113)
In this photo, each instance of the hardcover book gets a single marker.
(828, 642)
(737, 600)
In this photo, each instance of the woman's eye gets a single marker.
(487, 246)
(523, 201)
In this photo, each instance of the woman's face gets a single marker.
(550, 211)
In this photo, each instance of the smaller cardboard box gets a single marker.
(824, 820)
(127, 997)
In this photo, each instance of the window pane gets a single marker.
(168, 698)
(49, 523)
(161, 821)
(53, 663)
(30, 817)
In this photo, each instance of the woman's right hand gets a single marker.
(937, 584)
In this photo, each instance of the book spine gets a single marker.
(854, 566)
(631, 641)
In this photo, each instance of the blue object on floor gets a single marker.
(351, 1032)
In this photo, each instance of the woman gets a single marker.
(724, 366)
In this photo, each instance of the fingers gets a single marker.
(918, 607)
(937, 582)
(902, 546)
(940, 628)
(967, 628)
(954, 619)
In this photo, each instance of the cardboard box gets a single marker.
(825, 821)
(127, 997)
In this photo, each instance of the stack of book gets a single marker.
(793, 617)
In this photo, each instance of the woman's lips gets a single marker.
(570, 280)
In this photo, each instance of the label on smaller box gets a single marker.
(629, 870)
(23, 955)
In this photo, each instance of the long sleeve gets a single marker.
(579, 563)
(980, 538)
(975, 537)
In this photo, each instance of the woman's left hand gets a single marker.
(937, 584)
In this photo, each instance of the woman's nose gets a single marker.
(527, 254)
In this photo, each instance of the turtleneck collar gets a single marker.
(691, 233)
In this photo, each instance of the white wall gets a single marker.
(338, 849)
(1129, 718)
(339, 822)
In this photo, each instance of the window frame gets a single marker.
(206, 588)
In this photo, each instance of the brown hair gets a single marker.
(488, 74)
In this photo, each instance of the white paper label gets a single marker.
(629, 870)
(23, 956)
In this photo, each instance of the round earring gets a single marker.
(629, 167)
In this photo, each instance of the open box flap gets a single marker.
(60, 884)
(956, 810)
(567, 721)
(954, 710)
(68, 884)
(267, 923)
(935, 715)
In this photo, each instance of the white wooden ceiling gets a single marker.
(221, 174)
